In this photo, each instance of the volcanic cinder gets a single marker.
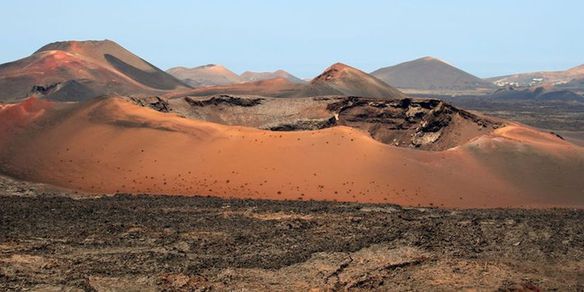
(344, 136)
(113, 145)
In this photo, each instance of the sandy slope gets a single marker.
(16, 117)
(111, 145)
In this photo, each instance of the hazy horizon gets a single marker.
(485, 39)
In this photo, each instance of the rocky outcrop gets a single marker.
(427, 124)
(69, 90)
(305, 125)
(153, 102)
(44, 89)
(225, 99)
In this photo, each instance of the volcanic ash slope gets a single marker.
(113, 145)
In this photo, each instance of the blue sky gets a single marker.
(485, 38)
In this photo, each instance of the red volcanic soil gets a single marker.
(78, 70)
(345, 80)
(112, 145)
(16, 117)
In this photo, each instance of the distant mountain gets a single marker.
(338, 79)
(277, 87)
(207, 75)
(543, 78)
(77, 70)
(341, 79)
(536, 94)
(429, 74)
(249, 76)
(576, 84)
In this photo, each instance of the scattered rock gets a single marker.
(225, 99)
(427, 124)
(201, 243)
(154, 102)
(305, 125)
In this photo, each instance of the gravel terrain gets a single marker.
(146, 243)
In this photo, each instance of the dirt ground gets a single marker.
(50, 242)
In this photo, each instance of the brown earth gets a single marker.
(153, 152)
(151, 243)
